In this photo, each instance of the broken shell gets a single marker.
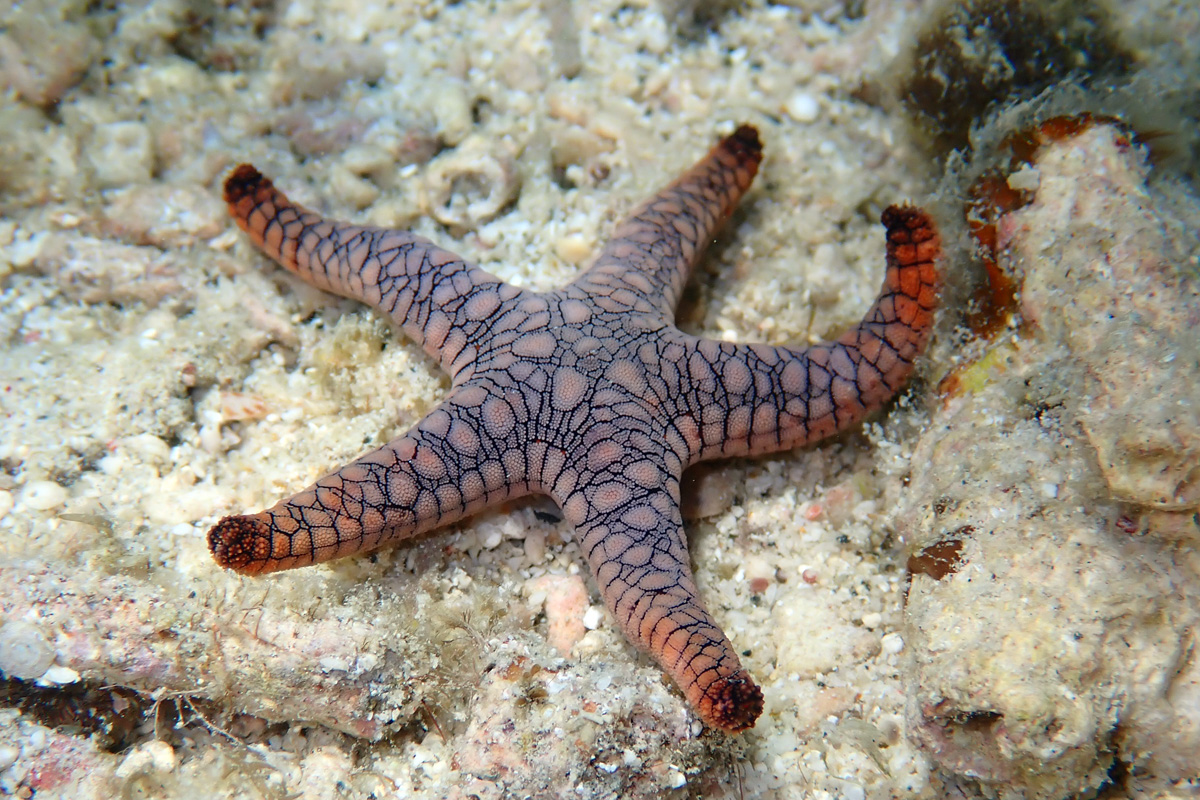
(471, 185)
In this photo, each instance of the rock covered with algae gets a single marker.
(1053, 519)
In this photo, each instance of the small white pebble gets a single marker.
(871, 620)
(334, 664)
(210, 438)
(149, 758)
(25, 250)
(852, 791)
(493, 539)
(676, 779)
(66, 219)
(162, 755)
(572, 249)
(1050, 489)
(44, 495)
(592, 618)
(891, 643)
(8, 755)
(421, 756)
(299, 15)
(6, 502)
(802, 107)
(24, 651)
(147, 447)
(1027, 178)
(58, 676)
(535, 547)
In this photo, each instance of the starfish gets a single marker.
(588, 394)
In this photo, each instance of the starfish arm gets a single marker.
(632, 535)
(749, 399)
(463, 456)
(646, 263)
(435, 296)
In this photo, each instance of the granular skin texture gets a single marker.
(588, 394)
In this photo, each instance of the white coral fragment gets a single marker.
(471, 185)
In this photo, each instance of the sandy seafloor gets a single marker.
(158, 374)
